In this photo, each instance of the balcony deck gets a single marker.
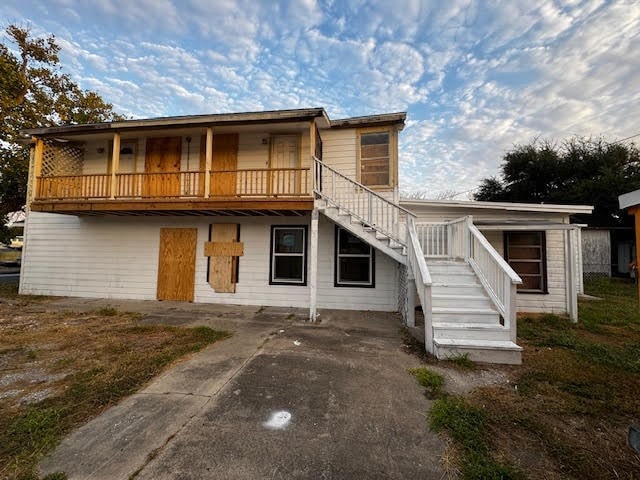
(266, 191)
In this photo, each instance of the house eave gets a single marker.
(397, 118)
(506, 206)
(211, 120)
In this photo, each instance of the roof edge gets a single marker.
(524, 207)
(371, 120)
(185, 120)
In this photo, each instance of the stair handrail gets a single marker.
(365, 217)
(422, 277)
(496, 275)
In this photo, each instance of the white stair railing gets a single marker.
(418, 266)
(461, 239)
(495, 274)
(370, 208)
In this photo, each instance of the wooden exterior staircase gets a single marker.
(466, 289)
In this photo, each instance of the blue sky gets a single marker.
(476, 77)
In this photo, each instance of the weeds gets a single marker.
(462, 361)
(99, 376)
(430, 380)
(107, 311)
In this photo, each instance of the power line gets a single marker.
(628, 138)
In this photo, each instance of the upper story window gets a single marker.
(376, 158)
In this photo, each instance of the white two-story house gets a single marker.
(287, 208)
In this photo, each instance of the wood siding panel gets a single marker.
(176, 264)
(118, 258)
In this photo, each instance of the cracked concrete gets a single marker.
(280, 399)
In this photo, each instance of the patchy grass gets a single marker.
(107, 311)
(430, 380)
(464, 423)
(65, 368)
(462, 361)
(567, 409)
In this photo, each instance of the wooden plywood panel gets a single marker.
(225, 163)
(222, 269)
(177, 264)
(223, 249)
(162, 156)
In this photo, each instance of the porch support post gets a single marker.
(306, 188)
(572, 294)
(208, 162)
(313, 267)
(115, 164)
(37, 168)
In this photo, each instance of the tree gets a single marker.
(582, 171)
(35, 93)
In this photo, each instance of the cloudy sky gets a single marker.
(475, 77)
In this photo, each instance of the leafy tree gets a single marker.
(582, 171)
(35, 93)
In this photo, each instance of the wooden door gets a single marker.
(177, 264)
(224, 164)
(285, 156)
(162, 158)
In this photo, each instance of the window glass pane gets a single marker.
(525, 253)
(288, 268)
(525, 238)
(374, 158)
(374, 138)
(352, 244)
(355, 269)
(530, 283)
(289, 240)
(522, 268)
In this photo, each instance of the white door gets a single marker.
(285, 163)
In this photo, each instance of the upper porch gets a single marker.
(232, 163)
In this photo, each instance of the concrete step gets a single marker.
(453, 300)
(485, 351)
(465, 315)
(470, 331)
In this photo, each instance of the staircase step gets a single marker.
(453, 300)
(470, 331)
(465, 315)
(487, 351)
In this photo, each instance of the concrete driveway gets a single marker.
(280, 399)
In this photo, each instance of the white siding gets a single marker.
(555, 300)
(118, 258)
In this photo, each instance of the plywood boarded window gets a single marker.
(526, 254)
(375, 159)
(288, 263)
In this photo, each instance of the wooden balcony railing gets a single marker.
(260, 182)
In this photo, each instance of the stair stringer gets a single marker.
(356, 227)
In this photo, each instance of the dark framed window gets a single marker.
(375, 158)
(526, 253)
(288, 263)
(355, 261)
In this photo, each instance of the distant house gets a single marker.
(287, 208)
